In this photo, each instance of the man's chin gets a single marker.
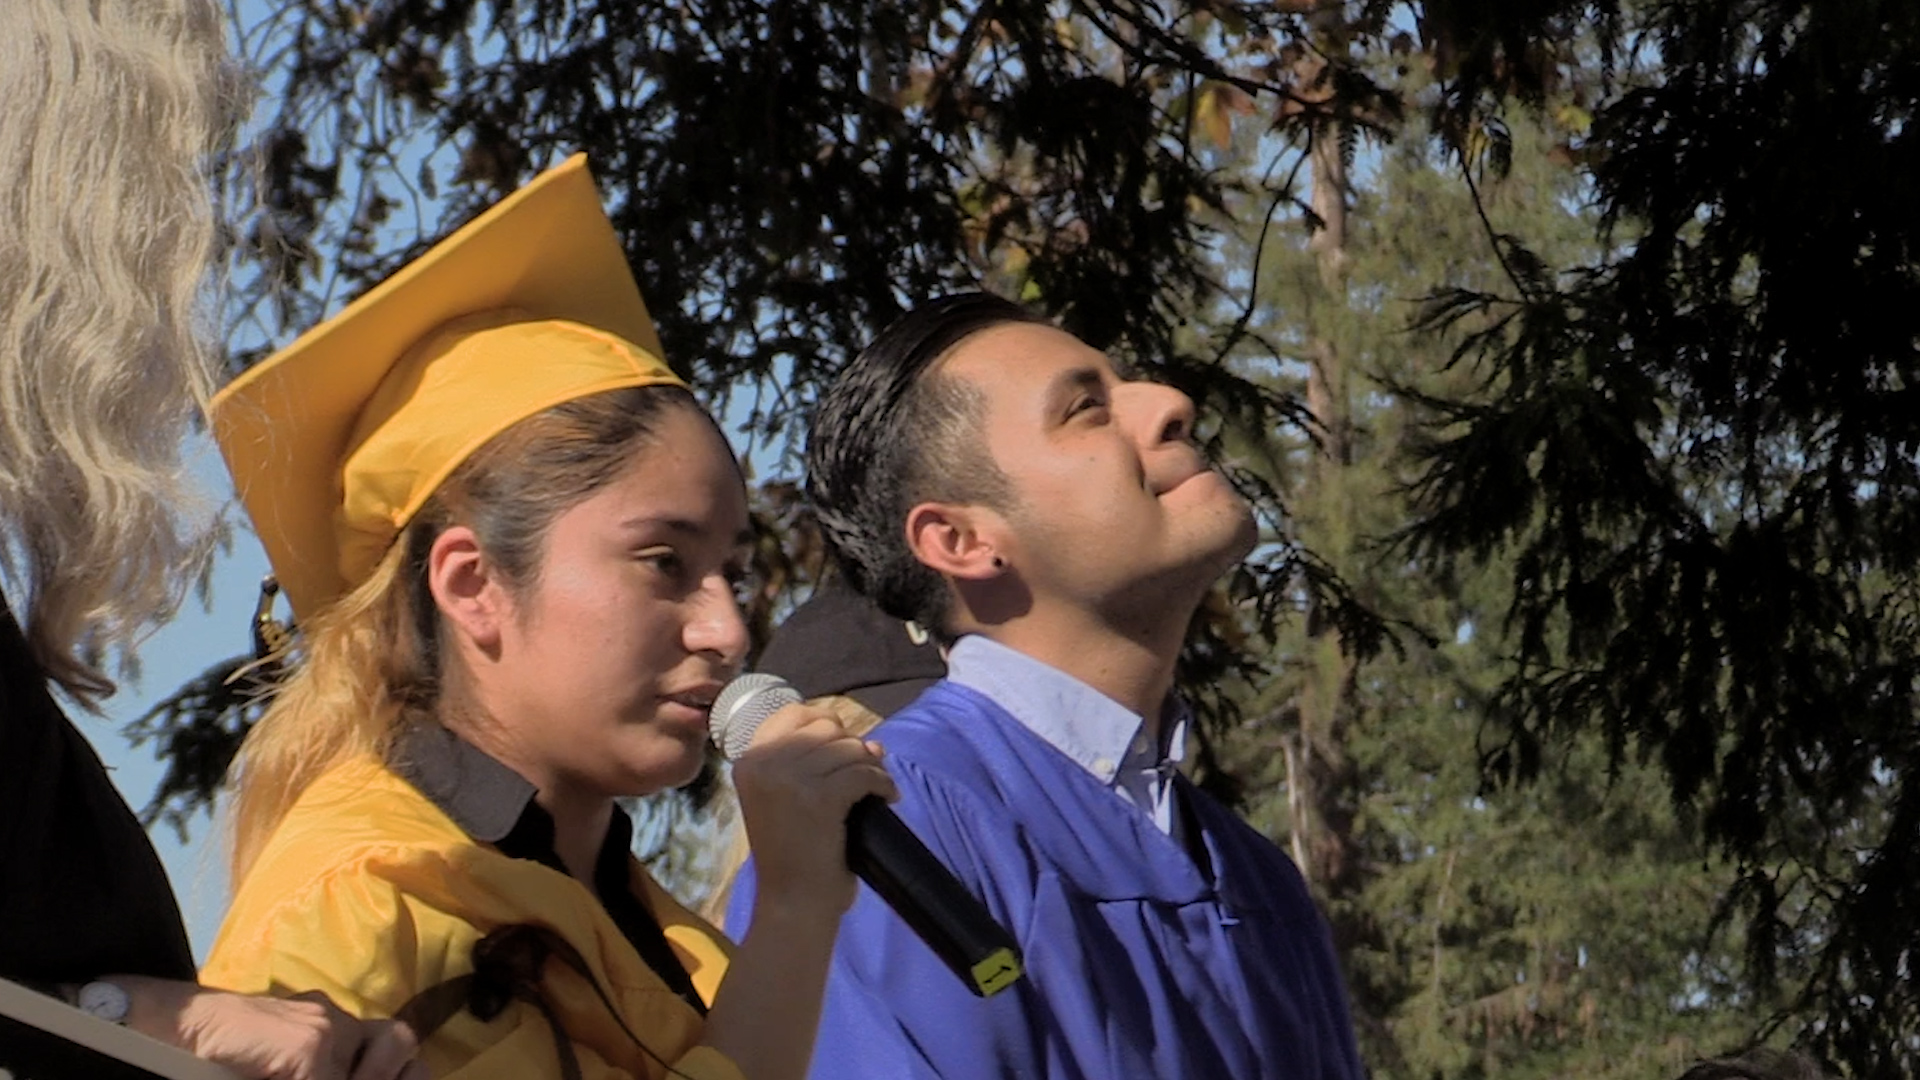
(1228, 534)
(1214, 544)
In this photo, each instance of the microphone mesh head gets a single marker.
(743, 705)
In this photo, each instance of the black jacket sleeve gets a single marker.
(82, 892)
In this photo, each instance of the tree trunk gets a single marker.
(1326, 701)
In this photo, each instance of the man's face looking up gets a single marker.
(1113, 506)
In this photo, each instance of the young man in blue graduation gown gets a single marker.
(995, 480)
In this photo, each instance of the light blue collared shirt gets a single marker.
(1096, 732)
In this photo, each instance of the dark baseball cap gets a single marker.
(839, 643)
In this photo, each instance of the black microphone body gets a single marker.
(885, 854)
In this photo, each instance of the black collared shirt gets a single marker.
(494, 805)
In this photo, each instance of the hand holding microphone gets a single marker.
(795, 784)
(879, 846)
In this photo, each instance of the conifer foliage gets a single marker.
(1699, 451)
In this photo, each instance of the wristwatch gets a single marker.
(108, 1001)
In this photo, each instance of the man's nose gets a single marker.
(1161, 414)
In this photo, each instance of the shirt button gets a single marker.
(1102, 765)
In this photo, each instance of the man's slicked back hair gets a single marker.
(888, 435)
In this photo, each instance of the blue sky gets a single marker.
(183, 648)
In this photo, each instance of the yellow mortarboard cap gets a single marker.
(335, 441)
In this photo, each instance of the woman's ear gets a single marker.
(469, 595)
(956, 541)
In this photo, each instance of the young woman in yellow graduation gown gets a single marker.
(510, 537)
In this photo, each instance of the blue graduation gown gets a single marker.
(1137, 965)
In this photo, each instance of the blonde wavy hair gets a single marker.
(373, 661)
(110, 111)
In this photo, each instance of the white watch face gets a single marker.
(106, 1001)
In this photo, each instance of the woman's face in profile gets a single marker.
(612, 656)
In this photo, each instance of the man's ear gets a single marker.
(468, 593)
(956, 541)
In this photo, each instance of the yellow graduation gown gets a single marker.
(369, 893)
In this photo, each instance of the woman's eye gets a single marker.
(665, 560)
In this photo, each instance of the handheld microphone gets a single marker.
(886, 855)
